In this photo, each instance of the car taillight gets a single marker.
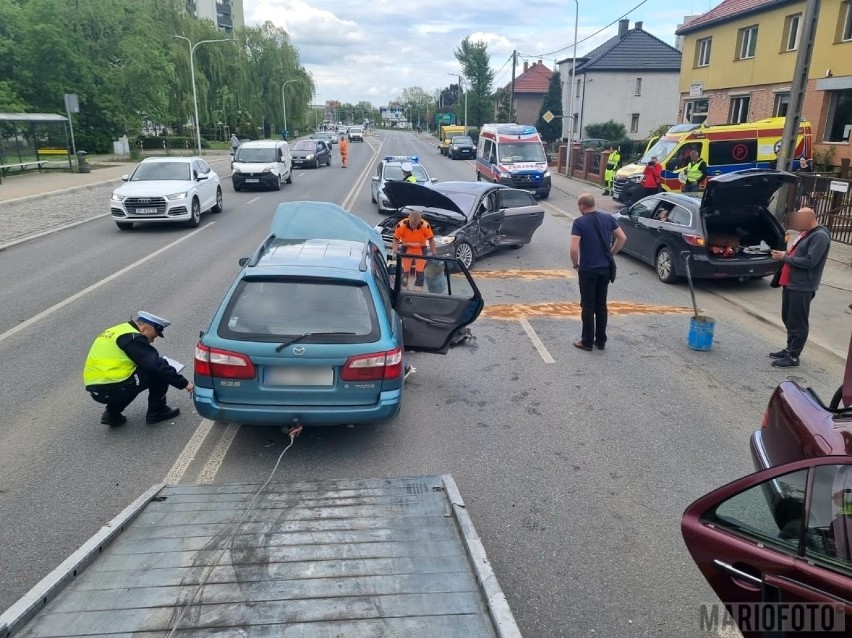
(694, 240)
(212, 362)
(373, 367)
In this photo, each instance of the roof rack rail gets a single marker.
(258, 253)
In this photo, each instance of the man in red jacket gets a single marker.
(653, 177)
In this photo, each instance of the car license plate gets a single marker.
(252, 180)
(146, 211)
(299, 375)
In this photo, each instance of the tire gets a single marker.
(516, 246)
(464, 253)
(373, 196)
(195, 212)
(545, 195)
(316, 163)
(237, 189)
(124, 225)
(289, 177)
(664, 265)
(218, 206)
(328, 161)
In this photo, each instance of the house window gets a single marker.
(695, 111)
(579, 85)
(838, 126)
(747, 41)
(792, 31)
(846, 22)
(739, 110)
(638, 89)
(782, 104)
(634, 123)
(702, 51)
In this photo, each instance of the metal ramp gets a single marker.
(338, 558)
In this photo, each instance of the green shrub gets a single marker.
(474, 134)
(157, 142)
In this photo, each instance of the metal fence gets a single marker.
(831, 199)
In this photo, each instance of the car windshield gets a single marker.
(464, 201)
(660, 150)
(275, 309)
(522, 152)
(393, 173)
(256, 155)
(160, 171)
(304, 145)
(355, 130)
(462, 140)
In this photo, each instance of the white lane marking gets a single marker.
(559, 211)
(536, 341)
(252, 201)
(217, 456)
(358, 185)
(188, 454)
(302, 174)
(46, 313)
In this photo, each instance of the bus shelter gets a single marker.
(34, 141)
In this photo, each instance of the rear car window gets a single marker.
(272, 309)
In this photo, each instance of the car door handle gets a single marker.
(738, 573)
(432, 322)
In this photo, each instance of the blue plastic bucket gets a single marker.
(700, 336)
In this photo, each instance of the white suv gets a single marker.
(166, 189)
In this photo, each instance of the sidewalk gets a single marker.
(831, 320)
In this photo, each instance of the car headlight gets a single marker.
(547, 173)
(310, 157)
(444, 241)
(505, 175)
(177, 196)
(455, 148)
(268, 169)
(637, 178)
(117, 198)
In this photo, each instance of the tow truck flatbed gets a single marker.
(343, 558)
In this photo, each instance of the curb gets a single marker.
(50, 231)
(759, 314)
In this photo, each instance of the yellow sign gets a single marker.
(548, 117)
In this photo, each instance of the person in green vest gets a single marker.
(695, 171)
(611, 167)
(407, 175)
(122, 363)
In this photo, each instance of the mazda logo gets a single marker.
(299, 351)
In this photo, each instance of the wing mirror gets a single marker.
(375, 178)
(243, 261)
(202, 177)
(124, 178)
(434, 180)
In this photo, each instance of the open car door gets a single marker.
(437, 308)
(776, 547)
(522, 216)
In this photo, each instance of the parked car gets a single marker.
(356, 134)
(461, 146)
(721, 231)
(326, 136)
(390, 169)
(311, 153)
(166, 189)
(313, 330)
(595, 143)
(469, 219)
(262, 163)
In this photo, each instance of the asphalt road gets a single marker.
(575, 471)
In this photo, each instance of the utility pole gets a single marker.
(512, 94)
(787, 152)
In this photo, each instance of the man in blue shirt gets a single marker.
(595, 238)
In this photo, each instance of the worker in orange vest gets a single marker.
(344, 152)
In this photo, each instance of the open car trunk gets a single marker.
(731, 232)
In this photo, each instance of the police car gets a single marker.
(390, 170)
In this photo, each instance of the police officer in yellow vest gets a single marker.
(122, 363)
(407, 175)
(695, 171)
(611, 168)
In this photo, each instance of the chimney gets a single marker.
(623, 25)
(639, 26)
(540, 62)
(526, 66)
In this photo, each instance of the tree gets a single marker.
(416, 101)
(476, 66)
(503, 99)
(551, 131)
(610, 130)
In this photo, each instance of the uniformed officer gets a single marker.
(414, 233)
(407, 175)
(611, 168)
(122, 363)
(695, 171)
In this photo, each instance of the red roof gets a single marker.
(535, 79)
(728, 10)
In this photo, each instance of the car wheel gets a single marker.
(478, 176)
(124, 225)
(316, 163)
(464, 253)
(237, 189)
(195, 214)
(290, 177)
(328, 161)
(217, 207)
(516, 246)
(545, 195)
(665, 266)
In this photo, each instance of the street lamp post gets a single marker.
(192, 48)
(465, 97)
(572, 88)
(284, 101)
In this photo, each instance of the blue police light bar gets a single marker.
(403, 158)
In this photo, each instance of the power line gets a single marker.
(589, 37)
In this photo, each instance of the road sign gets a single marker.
(72, 105)
(445, 118)
(548, 117)
(838, 187)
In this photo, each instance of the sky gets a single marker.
(369, 50)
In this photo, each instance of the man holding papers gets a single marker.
(122, 363)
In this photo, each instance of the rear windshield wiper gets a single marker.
(280, 347)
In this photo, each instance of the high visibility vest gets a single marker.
(411, 179)
(107, 363)
(614, 159)
(693, 172)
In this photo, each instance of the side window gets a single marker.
(771, 513)
(680, 216)
(380, 272)
(196, 168)
(205, 167)
(492, 152)
(681, 156)
(829, 533)
(645, 208)
(733, 152)
(515, 199)
(663, 212)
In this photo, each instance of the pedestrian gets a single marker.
(595, 238)
(804, 165)
(235, 144)
(611, 167)
(413, 234)
(122, 363)
(798, 278)
(695, 171)
(653, 177)
(407, 175)
(344, 152)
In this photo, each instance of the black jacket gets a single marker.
(808, 260)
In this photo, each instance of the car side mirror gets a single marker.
(243, 261)
(375, 178)
(434, 180)
(125, 178)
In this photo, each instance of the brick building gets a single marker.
(530, 89)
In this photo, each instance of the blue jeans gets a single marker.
(690, 188)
